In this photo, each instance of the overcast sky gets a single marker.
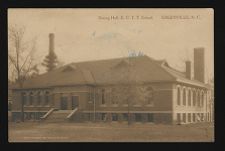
(87, 34)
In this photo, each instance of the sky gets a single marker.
(95, 34)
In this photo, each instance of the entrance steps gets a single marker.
(58, 116)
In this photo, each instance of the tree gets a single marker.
(20, 57)
(35, 71)
(51, 61)
(127, 91)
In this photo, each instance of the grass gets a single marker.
(109, 132)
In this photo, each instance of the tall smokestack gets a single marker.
(199, 64)
(188, 69)
(51, 42)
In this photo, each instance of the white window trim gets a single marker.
(137, 105)
(115, 105)
(103, 105)
(150, 105)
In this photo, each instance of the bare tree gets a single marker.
(127, 91)
(21, 56)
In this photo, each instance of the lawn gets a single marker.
(109, 132)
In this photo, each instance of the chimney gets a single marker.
(51, 42)
(188, 69)
(199, 64)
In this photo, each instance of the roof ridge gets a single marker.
(174, 70)
(109, 59)
(154, 62)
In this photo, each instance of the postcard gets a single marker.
(111, 75)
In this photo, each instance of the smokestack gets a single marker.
(51, 42)
(199, 64)
(188, 69)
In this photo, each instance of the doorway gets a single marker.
(75, 102)
(64, 103)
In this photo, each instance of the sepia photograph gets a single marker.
(111, 75)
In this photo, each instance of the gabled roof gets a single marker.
(111, 71)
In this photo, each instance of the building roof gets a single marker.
(111, 71)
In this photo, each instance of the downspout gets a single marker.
(94, 86)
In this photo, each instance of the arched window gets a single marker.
(24, 99)
(203, 99)
(198, 98)
(103, 96)
(31, 98)
(189, 97)
(46, 98)
(38, 98)
(178, 96)
(150, 95)
(184, 96)
(194, 97)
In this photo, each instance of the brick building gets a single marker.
(140, 89)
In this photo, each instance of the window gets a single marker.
(189, 97)
(103, 116)
(31, 98)
(64, 102)
(203, 99)
(24, 99)
(150, 117)
(178, 96)
(184, 96)
(114, 117)
(194, 118)
(38, 98)
(46, 98)
(91, 98)
(138, 117)
(184, 117)
(149, 96)
(194, 98)
(202, 117)
(103, 96)
(114, 96)
(178, 117)
(75, 101)
(189, 117)
(198, 98)
(125, 116)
